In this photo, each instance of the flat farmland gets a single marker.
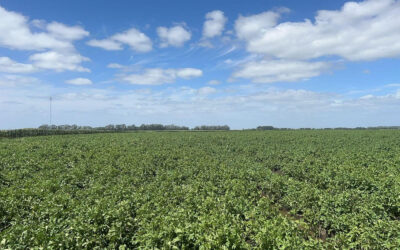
(202, 190)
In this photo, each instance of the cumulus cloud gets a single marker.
(51, 60)
(250, 27)
(151, 77)
(106, 44)
(206, 91)
(15, 33)
(79, 81)
(59, 61)
(268, 71)
(359, 31)
(214, 24)
(137, 41)
(64, 32)
(175, 36)
(158, 76)
(56, 39)
(187, 73)
(7, 65)
(11, 80)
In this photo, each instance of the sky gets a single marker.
(242, 63)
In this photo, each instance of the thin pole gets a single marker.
(50, 109)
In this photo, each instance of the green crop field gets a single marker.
(208, 190)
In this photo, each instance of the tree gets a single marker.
(265, 128)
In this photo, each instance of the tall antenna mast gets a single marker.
(51, 99)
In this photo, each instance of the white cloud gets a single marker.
(392, 85)
(15, 33)
(106, 44)
(59, 61)
(63, 32)
(51, 60)
(268, 71)
(28, 107)
(214, 82)
(175, 36)
(7, 65)
(187, 73)
(79, 81)
(137, 40)
(249, 27)
(232, 63)
(366, 97)
(151, 77)
(39, 23)
(206, 91)
(55, 39)
(360, 31)
(17, 80)
(115, 66)
(158, 76)
(214, 24)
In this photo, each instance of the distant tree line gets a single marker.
(117, 127)
(265, 128)
(16, 133)
(75, 129)
(204, 127)
(124, 127)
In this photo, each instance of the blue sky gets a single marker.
(281, 63)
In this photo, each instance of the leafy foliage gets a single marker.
(244, 189)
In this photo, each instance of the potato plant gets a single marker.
(202, 190)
